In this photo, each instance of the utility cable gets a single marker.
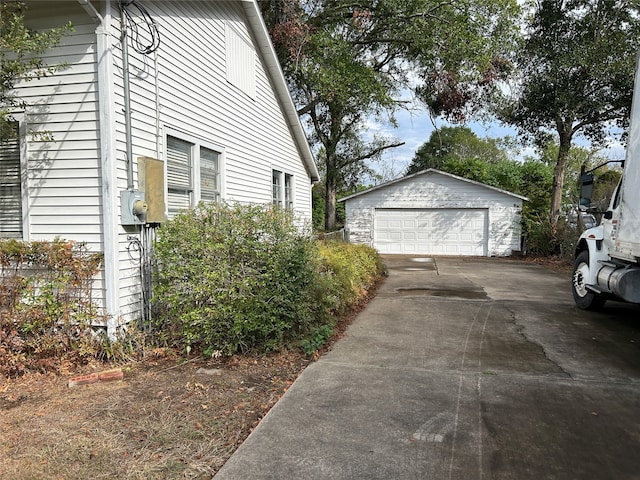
(145, 37)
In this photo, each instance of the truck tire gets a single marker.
(585, 299)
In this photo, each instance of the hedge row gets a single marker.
(239, 278)
(228, 279)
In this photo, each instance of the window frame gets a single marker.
(285, 197)
(217, 194)
(277, 188)
(19, 118)
(289, 191)
(196, 144)
(186, 190)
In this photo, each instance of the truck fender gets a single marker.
(591, 241)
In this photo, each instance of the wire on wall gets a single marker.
(145, 37)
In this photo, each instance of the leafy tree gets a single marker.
(471, 168)
(534, 182)
(577, 68)
(459, 151)
(21, 52)
(456, 143)
(347, 61)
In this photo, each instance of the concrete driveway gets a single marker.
(462, 369)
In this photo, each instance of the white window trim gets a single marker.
(292, 191)
(280, 175)
(24, 172)
(283, 195)
(195, 156)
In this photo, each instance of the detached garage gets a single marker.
(435, 213)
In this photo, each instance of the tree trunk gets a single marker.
(331, 186)
(558, 180)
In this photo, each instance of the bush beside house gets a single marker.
(46, 303)
(238, 278)
(228, 279)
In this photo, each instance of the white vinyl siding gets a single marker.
(11, 188)
(246, 131)
(63, 169)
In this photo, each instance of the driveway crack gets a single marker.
(520, 329)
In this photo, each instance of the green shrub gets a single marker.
(234, 278)
(346, 272)
(351, 271)
(545, 241)
(317, 338)
(238, 278)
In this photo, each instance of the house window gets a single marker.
(179, 178)
(209, 175)
(288, 191)
(282, 189)
(10, 188)
(193, 174)
(277, 188)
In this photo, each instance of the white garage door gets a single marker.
(431, 231)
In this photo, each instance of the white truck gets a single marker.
(607, 257)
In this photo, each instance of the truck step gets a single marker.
(596, 289)
(609, 263)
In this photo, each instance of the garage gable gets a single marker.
(435, 213)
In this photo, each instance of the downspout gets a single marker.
(107, 164)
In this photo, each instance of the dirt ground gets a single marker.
(166, 419)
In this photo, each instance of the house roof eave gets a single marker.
(432, 171)
(270, 58)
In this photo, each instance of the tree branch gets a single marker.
(372, 153)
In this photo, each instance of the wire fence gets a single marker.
(339, 235)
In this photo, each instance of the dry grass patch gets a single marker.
(166, 419)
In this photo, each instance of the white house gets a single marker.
(196, 109)
(435, 213)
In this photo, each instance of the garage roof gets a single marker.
(432, 171)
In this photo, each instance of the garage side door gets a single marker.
(431, 231)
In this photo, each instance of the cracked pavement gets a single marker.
(462, 368)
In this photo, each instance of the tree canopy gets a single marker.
(456, 143)
(576, 70)
(346, 61)
(21, 52)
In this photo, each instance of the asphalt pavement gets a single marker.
(462, 368)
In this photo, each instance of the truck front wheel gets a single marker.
(584, 298)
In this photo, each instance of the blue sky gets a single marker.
(416, 128)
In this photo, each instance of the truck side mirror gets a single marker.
(586, 189)
(608, 215)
